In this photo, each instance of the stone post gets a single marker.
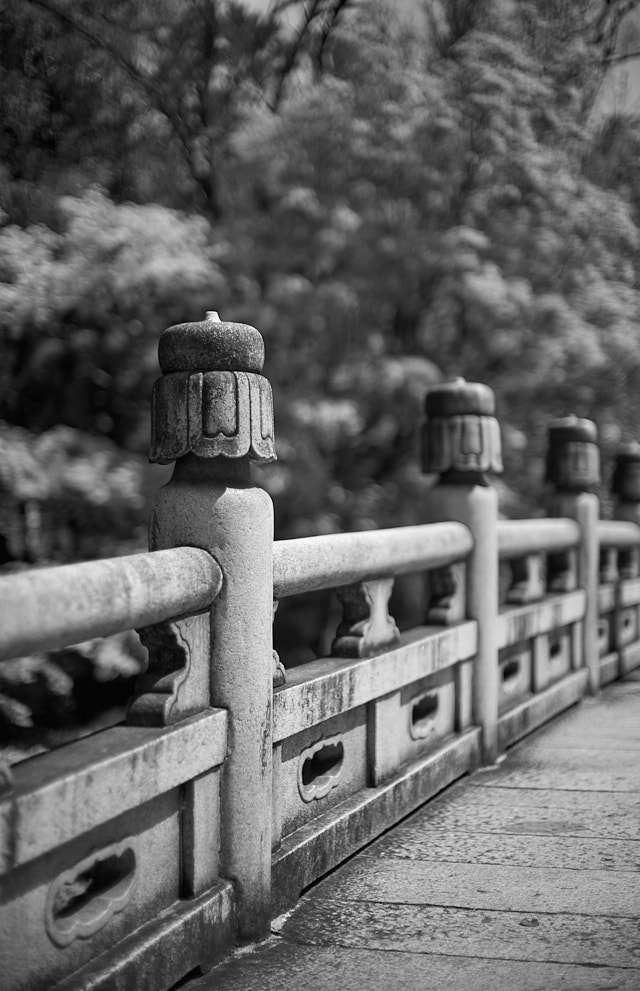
(573, 470)
(461, 441)
(212, 414)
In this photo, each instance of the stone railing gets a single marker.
(142, 853)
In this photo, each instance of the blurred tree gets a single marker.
(82, 307)
(150, 93)
(430, 198)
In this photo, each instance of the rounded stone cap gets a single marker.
(460, 398)
(569, 429)
(212, 345)
(628, 454)
(625, 481)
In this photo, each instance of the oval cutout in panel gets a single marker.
(510, 673)
(320, 768)
(82, 900)
(424, 709)
(555, 648)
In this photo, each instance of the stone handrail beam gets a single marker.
(55, 607)
(517, 538)
(618, 534)
(308, 564)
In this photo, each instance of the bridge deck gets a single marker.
(525, 876)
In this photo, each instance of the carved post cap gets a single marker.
(573, 455)
(461, 436)
(625, 482)
(211, 346)
(460, 398)
(211, 400)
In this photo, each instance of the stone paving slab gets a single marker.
(539, 820)
(586, 940)
(584, 769)
(568, 852)
(479, 791)
(283, 966)
(512, 889)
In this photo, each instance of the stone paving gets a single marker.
(525, 877)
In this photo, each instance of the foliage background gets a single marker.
(392, 198)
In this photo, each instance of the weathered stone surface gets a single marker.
(480, 886)
(573, 456)
(531, 935)
(413, 842)
(51, 607)
(74, 789)
(176, 683)
(324, 688)
(576, 770)
(625, 482)
(533, 712)
(211, 345)
(283, 966)
(447, 595)
(192, 934)
(487, 887)
(366, 627)
(307, 564)
(461, 437)
(319, 846)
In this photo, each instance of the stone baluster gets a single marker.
(573, 471)
(625, 486)
(461, 442)
(212, 414)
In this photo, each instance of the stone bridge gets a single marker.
(143, 856)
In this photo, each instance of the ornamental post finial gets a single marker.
(573, 455)
(461, 436)
(211, 400)
(625, 483)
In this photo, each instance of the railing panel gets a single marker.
(327, 687)
(526, 622)
(60, 795)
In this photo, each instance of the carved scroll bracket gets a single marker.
(608, 565)
(562, 571)
(447, 598)
(367, 626)
(176, 683)
(279, 670)
(529, 579)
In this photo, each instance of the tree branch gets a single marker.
(151, 90)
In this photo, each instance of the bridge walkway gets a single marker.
(524, 876)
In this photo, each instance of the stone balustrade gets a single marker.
(144, 852)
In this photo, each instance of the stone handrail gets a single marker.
(517, 538)
(311, 563)
(49, 608)
(618, 534)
